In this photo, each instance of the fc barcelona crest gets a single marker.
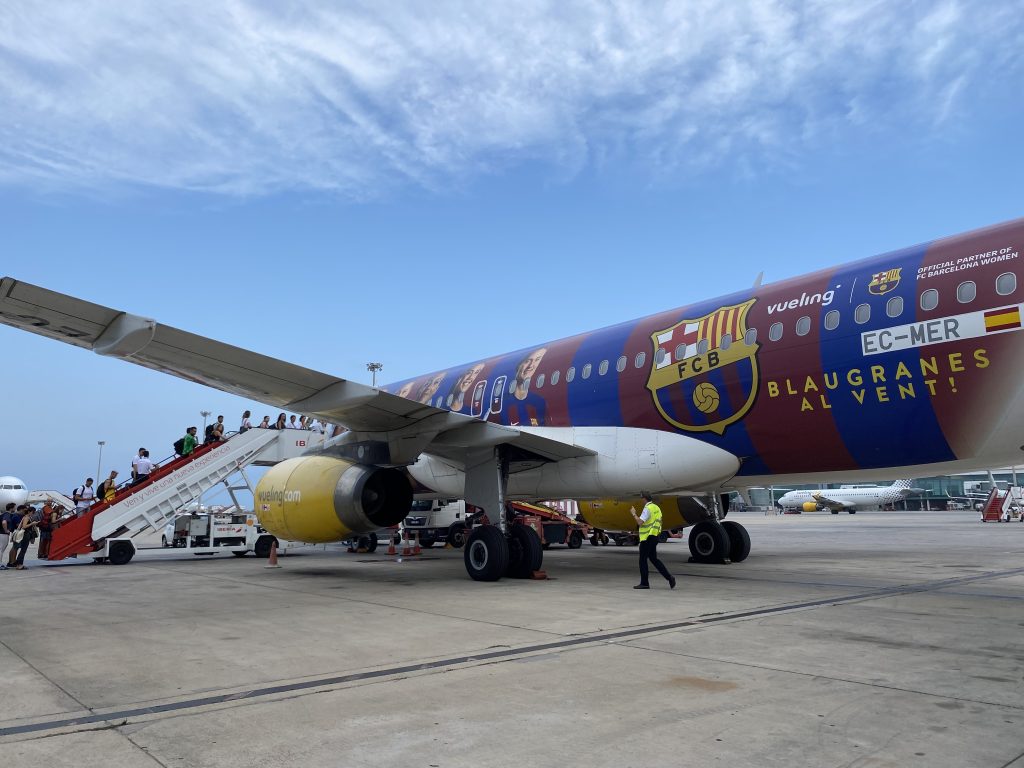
(705, 375)
(883, 282)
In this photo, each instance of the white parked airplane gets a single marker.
(12, 490)
(849, 499)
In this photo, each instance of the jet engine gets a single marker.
(809, 506)
(318, 499)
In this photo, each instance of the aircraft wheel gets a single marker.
(595, 540)
(709, 542)
(663, 537)
(525, 552)
(835, 511)
(575, 540)
(371, 545)
(853, 511)
(486, 553)
(739, 541)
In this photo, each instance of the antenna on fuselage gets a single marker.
(758, 279)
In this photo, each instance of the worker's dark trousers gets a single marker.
(649, 551)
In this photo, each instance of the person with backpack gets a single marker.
(7, 526)
(107, 489)
(184, 446)
(83, 497)
(143, 468)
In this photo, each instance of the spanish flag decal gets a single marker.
(1002, 319)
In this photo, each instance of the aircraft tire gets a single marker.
(575, 540)
(525, 552)
(709, 542)
(372, 543)
(486, 553)
(853, 511)
(595, 540)
(835, 511)
(739, 541)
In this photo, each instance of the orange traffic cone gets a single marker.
(406, 552)
(391, 546)
(272, 560)
(416, 544)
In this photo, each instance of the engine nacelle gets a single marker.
(613, 514)
(317, 499)
(810, 506)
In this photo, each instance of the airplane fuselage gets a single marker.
(908, 359)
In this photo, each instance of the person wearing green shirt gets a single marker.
(190, 441)
(649, 523)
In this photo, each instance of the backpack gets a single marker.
(179, 445)
(77, 492)
(209, 431)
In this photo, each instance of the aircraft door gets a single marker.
(498, 394)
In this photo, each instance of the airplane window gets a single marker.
(660, 355)
(726, 341)
(966, 291)
(448, 400)
(750, 337)
(641, 358)
(602, 369)
(555, 377)
(832, 320)
(1006, 283)
(620, 364)
(586, 371)
(570, 374)
(775, 332)
(929, 299)
(702, 346)
(894, 306)
(540, 381)
(803, 325)
(511, 385)
(862, 313)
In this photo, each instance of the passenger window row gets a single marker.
(966, 292)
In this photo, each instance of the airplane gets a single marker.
(849, 499)
(12, 491)
(901, 364)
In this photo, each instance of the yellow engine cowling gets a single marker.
(613, 515)
(318, 499)
(810, 506)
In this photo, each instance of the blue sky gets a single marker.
(353, 182)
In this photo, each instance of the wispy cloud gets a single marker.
(255, 97)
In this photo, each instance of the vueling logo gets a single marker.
(274, 496)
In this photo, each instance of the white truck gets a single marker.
(437, 520)
(206, 533)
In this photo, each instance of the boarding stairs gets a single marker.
(55, 499)
(151, 504)
(999, 503)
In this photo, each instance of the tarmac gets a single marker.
(869, 640)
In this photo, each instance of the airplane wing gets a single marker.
(832, 502)
(404, 426)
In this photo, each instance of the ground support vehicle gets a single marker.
(438, 520)
(554, 527)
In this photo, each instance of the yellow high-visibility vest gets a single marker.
(653, 525)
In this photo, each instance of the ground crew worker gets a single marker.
(649, 522)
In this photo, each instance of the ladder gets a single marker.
(151, 504)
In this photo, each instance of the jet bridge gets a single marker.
(106, 529)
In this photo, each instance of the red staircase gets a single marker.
(73, 535)
(992, 512)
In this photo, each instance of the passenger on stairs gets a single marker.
(282, 422)
(246, 424)
(293, 424)
(190, 441)
(218, 430)
(135, 460)
(143, 469)
(83, 497)
(265, 424)
(108, 487)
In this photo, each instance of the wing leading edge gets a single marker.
(372, 415)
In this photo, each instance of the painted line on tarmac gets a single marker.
(505, 653)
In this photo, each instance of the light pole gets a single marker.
(373, 368)
(99, 460)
